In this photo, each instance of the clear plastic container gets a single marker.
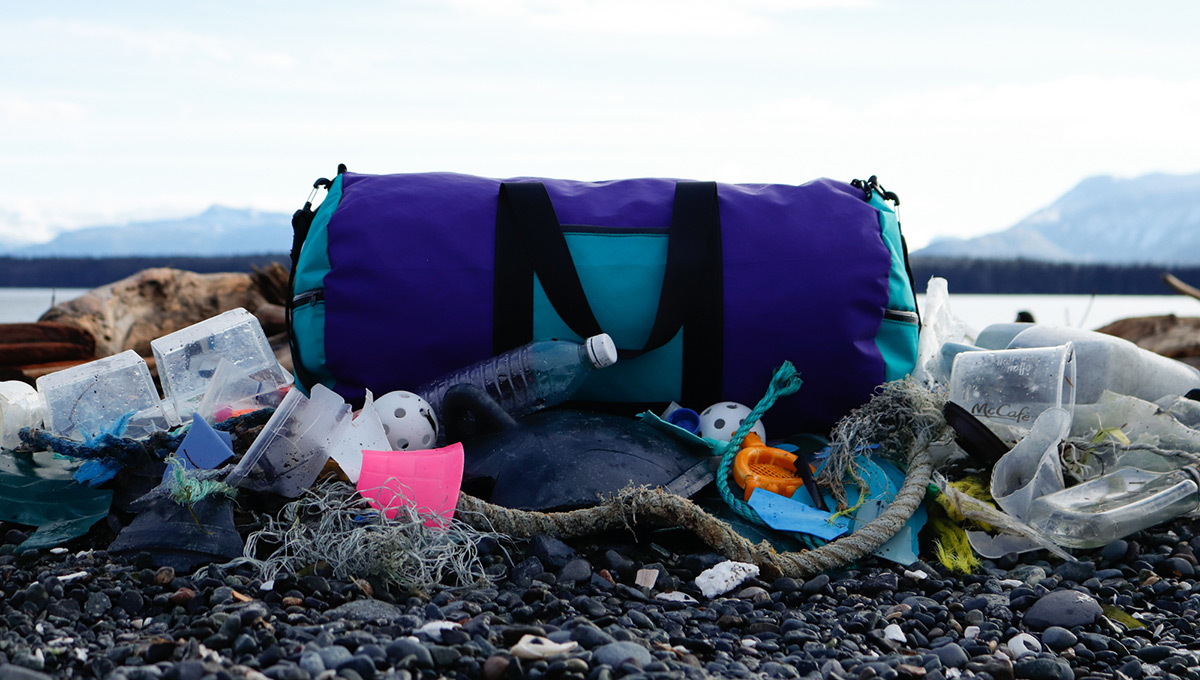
(87, 400)
(1110, 363)
(1010, 388)
(1098, 512)
(294, 445)
(188, 359)
(20, 407)
(530, 377)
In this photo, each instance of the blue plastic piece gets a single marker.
(203, 447)
(785, 514)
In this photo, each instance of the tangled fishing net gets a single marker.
(902, 419)
(332, 524)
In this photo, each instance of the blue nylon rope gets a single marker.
(785, 381)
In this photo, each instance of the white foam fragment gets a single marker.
(918, 575)
(676, 596)
(724, 577)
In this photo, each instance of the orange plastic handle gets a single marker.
(758, 466)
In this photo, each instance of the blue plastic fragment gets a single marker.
(203, 447)
(785, 514)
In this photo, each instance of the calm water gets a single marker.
(27, 304)
(977, 311)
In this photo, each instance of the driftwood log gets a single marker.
(129, 313)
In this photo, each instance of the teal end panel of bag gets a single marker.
(308, 321)
(622, 275)
(897, 339)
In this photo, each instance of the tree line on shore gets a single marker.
(966, 276)
(1021, 277)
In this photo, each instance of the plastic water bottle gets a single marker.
(1100, 511)
(1104, 362)
(530, 377)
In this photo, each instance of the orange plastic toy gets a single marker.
(758, 466)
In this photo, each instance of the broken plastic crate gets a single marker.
(115, 395)
(188, 359)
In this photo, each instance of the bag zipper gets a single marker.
(309, 297)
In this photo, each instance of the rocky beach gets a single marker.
(1128, 610)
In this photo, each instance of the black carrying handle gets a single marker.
(693, 238)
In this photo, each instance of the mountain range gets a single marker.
(218, 231)
(1153, 219)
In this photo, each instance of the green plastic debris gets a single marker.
(39, 490)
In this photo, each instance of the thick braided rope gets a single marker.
(664, 509)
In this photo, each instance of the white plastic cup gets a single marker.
(20, 407)
(1012, 387)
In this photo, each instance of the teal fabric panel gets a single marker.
(900, 291)
(308, 322)
(897, 340)
(622, 276)
(313, 264)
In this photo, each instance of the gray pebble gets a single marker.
(1065, 608)
(616, 653)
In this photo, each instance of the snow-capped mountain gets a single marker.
(1150, 219)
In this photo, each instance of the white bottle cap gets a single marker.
(601, 350)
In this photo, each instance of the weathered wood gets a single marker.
(23, 353)
(1171, 336)
(1179, 285)
(43, 331)
(129, 313)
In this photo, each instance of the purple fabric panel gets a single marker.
(816, 250)
(410, 255)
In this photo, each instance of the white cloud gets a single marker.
(17, 109)
(660, 18)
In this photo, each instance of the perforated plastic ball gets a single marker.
(408, 421)
(721, 421)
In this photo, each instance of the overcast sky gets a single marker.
(977, 114)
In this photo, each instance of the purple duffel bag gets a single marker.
(705, 287)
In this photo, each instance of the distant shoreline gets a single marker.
(1033, 277)
(967, 276)
(91, 272)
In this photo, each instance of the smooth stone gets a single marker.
(815, 584)
(616, 653)
(551, 551)
(1154, 653)
(1066, 608)
(1115, 552)
(311, 662)
(97, 604)
(522, 574)
(577, 570)
(1058, 638)
(365, 610)
(363, 665)
(952, 655)
(1043, 669)
(401, 648)
(1028, 573)
(1077, 571)
(590, 637)
(333, 655)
